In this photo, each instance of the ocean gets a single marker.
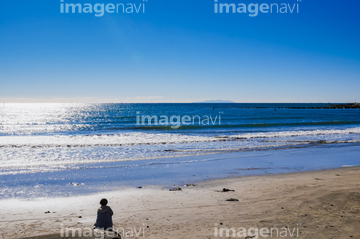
(49, 150)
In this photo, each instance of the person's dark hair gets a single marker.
(103, 202)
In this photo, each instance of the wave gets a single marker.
(255, 125)
(30, 154)
(298, 133)
(129, 139)
(99, 140)
(14, 129)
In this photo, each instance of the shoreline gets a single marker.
(105, 177)
(323, 203)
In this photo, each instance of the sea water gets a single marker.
(66, 149)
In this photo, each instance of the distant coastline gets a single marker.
(216, 101)
(330, 106)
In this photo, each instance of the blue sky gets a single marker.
(179, 51)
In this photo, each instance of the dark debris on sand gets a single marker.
(232, 200)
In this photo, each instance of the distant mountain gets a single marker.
(216, 101)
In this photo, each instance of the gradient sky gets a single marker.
(179, 51)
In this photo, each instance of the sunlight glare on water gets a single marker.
(29, 119)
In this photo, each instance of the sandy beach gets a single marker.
(322, 203)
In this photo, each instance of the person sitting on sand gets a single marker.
(104, 218)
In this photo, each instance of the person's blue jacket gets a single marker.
(104, 217)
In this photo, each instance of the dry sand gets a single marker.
(319, 204)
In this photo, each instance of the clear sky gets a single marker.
(179, 51)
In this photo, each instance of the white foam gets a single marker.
(146, 138)
(298, 133)
(29, 154)
(99, 140)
